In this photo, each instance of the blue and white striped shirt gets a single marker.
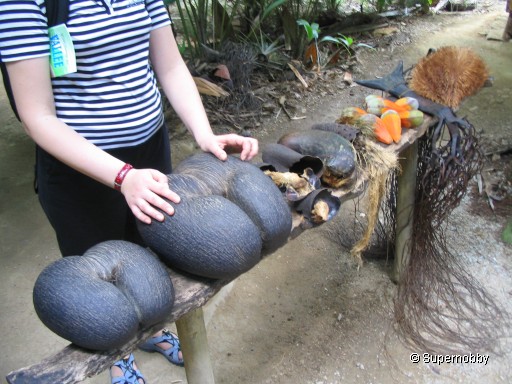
(113, 99)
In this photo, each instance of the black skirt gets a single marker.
(84, 212)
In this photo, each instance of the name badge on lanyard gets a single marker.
(62, 52)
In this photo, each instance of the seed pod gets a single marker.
(391, 119)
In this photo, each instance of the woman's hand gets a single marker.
(221, 145)
(144, 190)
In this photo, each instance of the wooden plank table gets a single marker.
(74, 364)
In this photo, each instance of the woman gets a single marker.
(103, 148)
(507, 33)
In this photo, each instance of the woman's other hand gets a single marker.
(221, 145)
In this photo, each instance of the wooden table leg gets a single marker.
(194, 344)
(405, 209)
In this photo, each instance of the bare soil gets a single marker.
(306, 314)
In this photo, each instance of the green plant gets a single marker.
(381, 5)
(313, 37)
(212, 22)
(253, 29)
(312, 30)
(312, 33)
(206, 23)
(263, 44)
(189, 31)
(345, 42)
(289, 13)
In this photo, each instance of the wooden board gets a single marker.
(74, 364)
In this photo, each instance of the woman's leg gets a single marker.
(126, 371)
(507, 34)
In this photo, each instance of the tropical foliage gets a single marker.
(266, 24)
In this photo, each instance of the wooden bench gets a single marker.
(74, 364)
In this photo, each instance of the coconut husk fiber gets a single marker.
(449, 75)
(440, 307)
(375, 164)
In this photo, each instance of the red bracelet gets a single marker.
(121, 175)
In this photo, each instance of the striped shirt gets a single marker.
(113, 99)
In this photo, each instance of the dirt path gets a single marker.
(305, 314)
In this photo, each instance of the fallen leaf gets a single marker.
(222, 71)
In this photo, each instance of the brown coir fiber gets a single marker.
(449, 75)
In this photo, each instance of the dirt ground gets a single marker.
(305, 314)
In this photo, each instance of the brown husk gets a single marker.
(376, 163)
(449, 75)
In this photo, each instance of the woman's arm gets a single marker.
(180, 89)
(32, 91)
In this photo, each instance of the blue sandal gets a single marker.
(171, 354)
(130, 374)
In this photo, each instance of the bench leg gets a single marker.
(405, 209)
(194, 344)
